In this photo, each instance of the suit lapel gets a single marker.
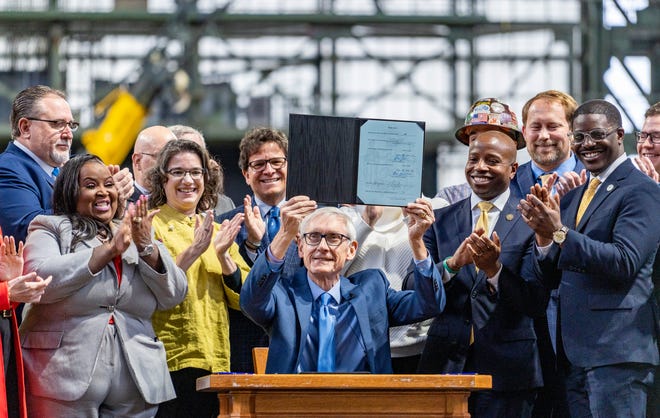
(604, 191)
(463, 226)
(302, 297)
(507, 219)
(357, 299)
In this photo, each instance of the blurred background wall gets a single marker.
(224, 66)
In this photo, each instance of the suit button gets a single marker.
(474, 294)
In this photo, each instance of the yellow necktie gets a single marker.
(482, 222)
(586, 198)
(544, 179)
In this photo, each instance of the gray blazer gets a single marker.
(61, 335)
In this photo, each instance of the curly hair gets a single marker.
(66, 193)
(255, 138)
(158, 175)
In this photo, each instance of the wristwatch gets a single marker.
(559, 236)
(147, 251)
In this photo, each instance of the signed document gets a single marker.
(342, 160)
(390, 162)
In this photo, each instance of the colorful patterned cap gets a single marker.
(488, 114)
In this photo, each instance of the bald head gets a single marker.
(147, 146)
(188, 133)
(491, 163)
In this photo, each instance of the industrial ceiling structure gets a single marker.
(224, 66)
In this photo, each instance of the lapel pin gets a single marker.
(509, 216)
(610, 187)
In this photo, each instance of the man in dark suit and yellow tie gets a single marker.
(483, 248)
(598, 247)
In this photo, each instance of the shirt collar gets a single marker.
(499, 202)
(565, 167)
(44, 166)
(609, 170)
(264, 208)
(317, 291)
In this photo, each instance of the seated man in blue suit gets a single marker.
(598, 247)
(317, 319)
(484, 250)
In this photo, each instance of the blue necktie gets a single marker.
(326, 358)
(55, 172)
(273, 222)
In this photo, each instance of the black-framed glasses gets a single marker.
(260, 165)
(332, 239)
(643, 136)
(179, 173)
(596, 135)
(59, 124)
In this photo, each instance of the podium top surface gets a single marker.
(225, 382)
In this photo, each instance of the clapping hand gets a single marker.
(11, 259)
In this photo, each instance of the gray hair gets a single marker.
(330, 211)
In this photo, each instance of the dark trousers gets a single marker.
(608, 391)
(244, 335)
(9, 363)
(509, 404)
(551, 399)
(405, 365)
(189, 403)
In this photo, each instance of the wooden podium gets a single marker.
(342, 395)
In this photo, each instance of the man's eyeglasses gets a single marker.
(60, 124)
(260, 165)
(643, 136)
(332, 239)
(596, 135)
(179, 173)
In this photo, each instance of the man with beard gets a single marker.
(597, 246)
(546, 124)
(546, 119)
(42, 127)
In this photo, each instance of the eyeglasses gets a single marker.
(179, 173)
(332, 239)
(596, 135)
(59, 124)
(260, 165)
(643, 136)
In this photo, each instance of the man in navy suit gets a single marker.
(487, 325)
(362, 306)
(263, 161)
(546, 124)
(598, 247)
